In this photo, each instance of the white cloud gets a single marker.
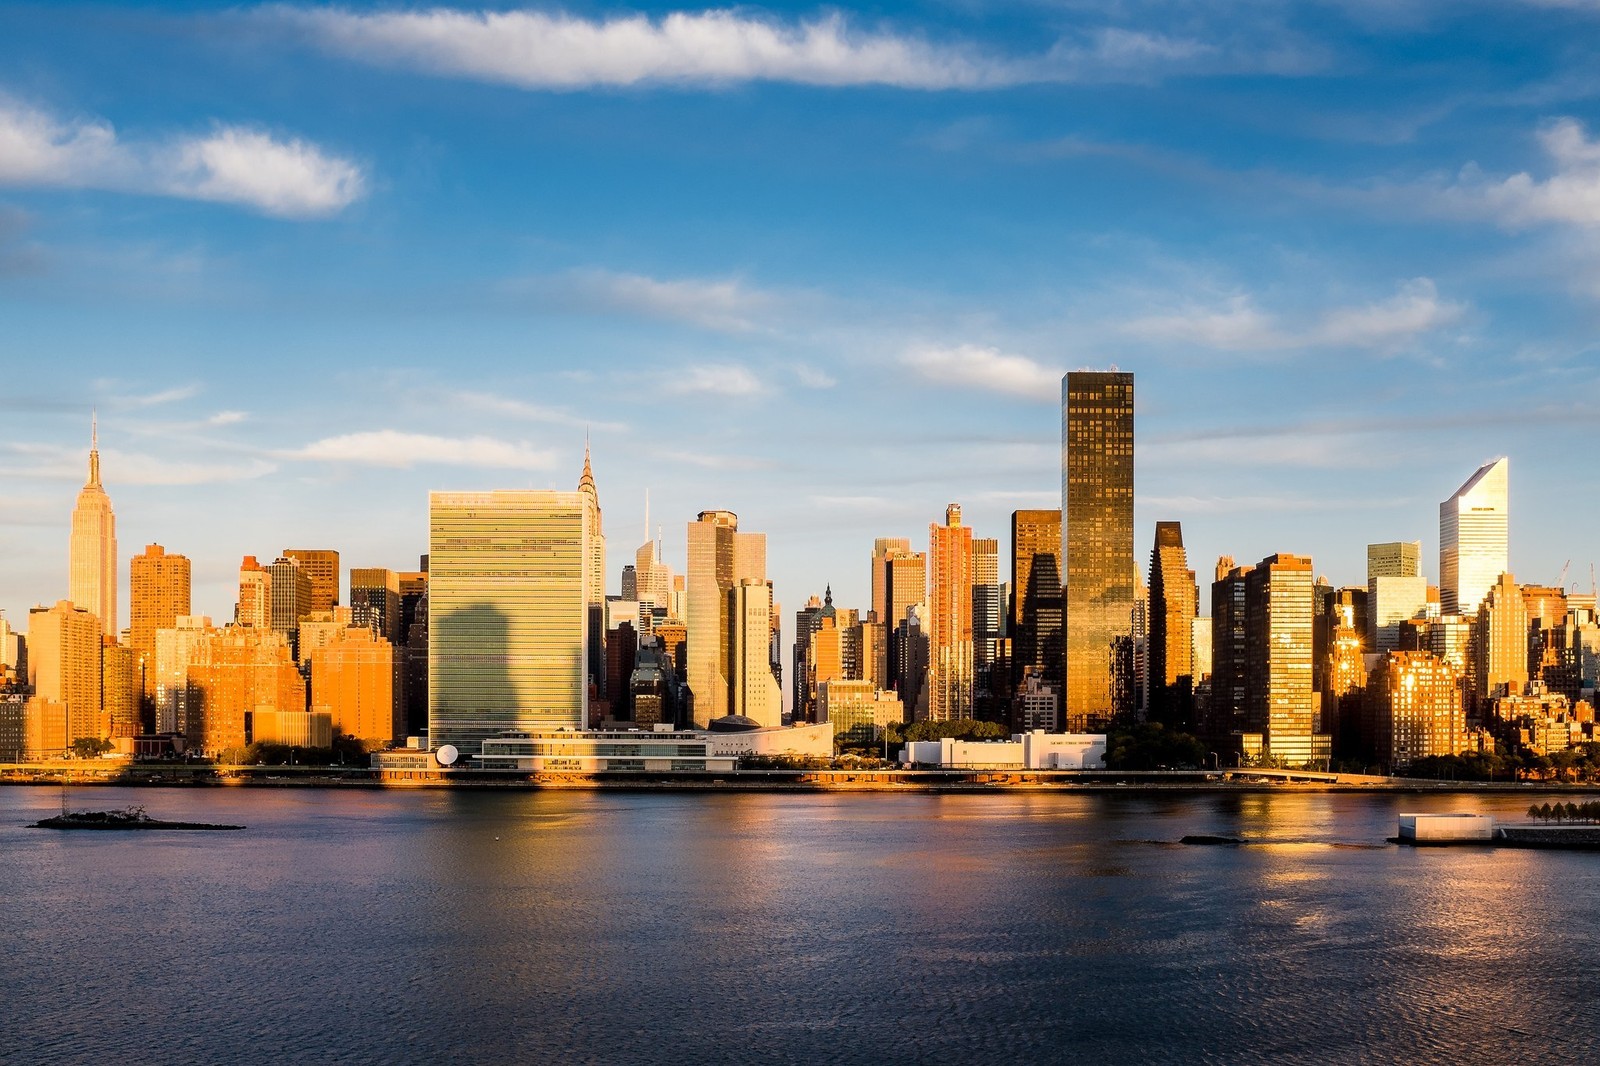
(540, 50)
(973, 367)
(534, 49)
(388, 447)
(714, 379)
(232, 164)
(53, 462)
(1570, 194)
(1239, 326)
(227, 418)
(708, 461)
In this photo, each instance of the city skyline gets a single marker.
(307, 281)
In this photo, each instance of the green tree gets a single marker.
(90, 747)
(1151, 746)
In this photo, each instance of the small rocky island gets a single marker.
(128, 818)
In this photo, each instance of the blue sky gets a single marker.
(822, 266)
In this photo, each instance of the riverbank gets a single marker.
(91, 773)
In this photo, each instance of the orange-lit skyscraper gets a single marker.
(720, 558)
(64, 668)
(231, 675)
(1097, 543)
(158, 595)
(950, 618)
(92, 555)
(254, 609)
(321, 568)
(1172, 612)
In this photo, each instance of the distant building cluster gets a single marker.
(506, 644)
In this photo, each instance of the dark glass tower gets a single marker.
(1097, 544)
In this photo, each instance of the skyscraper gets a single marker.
(1474, 538)
(950, 618)
(1097, 543)
(1036, 647)
(753, 689)
(987, 623)
(720, 557)
(92, 555)
(64, 668)
(594, 548)
(507, 616)
(291, 598)
(158, 595)
(1280, 700)
(1172, 612)
(375, 601)
(321, 568)
(254, 608)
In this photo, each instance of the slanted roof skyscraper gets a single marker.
(1474, 526)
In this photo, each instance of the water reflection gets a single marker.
(482, 927)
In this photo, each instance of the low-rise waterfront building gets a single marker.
(1036, 750)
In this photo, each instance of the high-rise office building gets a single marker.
(720, 557)
(1097, 544)
(1225, 714)
(882, 548)
(594, 548)
(507, 629)
(988, 626)
(321, 568)
(291, 598)
(158, 595)
(92, 555)
(1036, 633)
(1396, 558)
(375, 602)
(753, 690)
(1172, 612)
(807, 621)
(1280, 700)
(1501, 638)
(949, 618)
(1474, 538)
(254, 608)
(64, 668)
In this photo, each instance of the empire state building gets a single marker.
(92, 556)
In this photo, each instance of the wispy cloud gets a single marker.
(710, 461)
(1570, 193)
(973, 367)
(488, 403)
(56, 463)
(813, 377)
(1238, 325)
(714, 379)
(289, 178)
(725, 305)
(540, 50)
(153, 399)
(392, 448)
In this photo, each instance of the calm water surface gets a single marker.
(584, 927)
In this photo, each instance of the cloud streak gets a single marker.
(392, 448)
(1570, 194)
(1239, 326)
(973, 367)
(724, 305)
(237, 165)
(558, 51)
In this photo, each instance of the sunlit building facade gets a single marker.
(321, 568)
(720, 558)
(64, 667)
(950, 658)
(158, 595)
(507, 614)
(1280, 700)
(1474, 538)
(92, 552)
(1097, 544)
(1171, 641)
(1413, 709)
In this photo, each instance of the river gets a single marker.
(489, 927)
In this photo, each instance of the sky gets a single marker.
(821, 266)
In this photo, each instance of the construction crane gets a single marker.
(1561, 582)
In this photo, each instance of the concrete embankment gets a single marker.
(168, 774)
